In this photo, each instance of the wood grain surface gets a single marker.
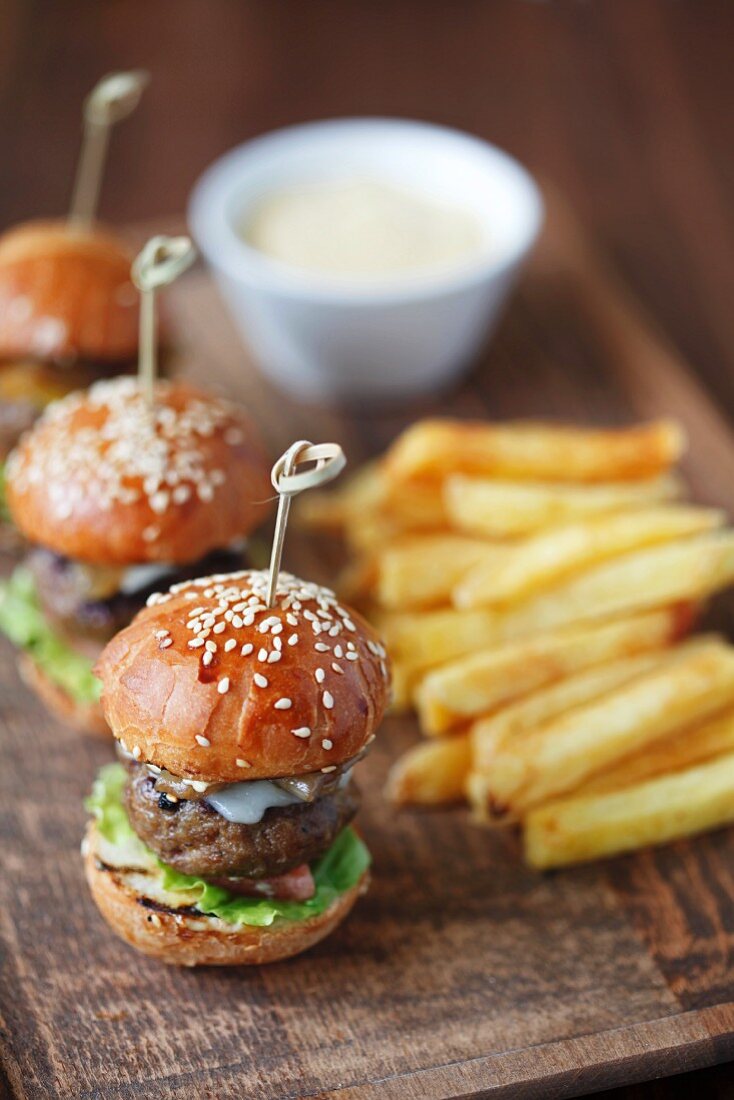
(461, 973)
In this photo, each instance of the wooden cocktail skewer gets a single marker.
(112, 99)
(330, 461)
(160, 261)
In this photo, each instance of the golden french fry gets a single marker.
(577, 829)
(363, 491)
(421, 570)
(674, 572)
(535, 451)
(356, 581)
(529, 713)
(482, 682)
(431, 773)
(401, 697)
(422, 639)
(559, 756)
(502, 509)
(692, 746)
(515, 572)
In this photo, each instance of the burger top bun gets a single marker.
(66, 294)
(212, 685)
(108, 478)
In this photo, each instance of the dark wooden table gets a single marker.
(625, 106)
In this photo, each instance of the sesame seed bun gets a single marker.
(102, 478)
(185, 939)
(87, 717)
(66, 293)
(192, 685)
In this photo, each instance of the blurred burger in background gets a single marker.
(117, 495)
(68, 309)
(68, 315)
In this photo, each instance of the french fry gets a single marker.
(431, 773)
(515, 572)
(402, 685)
(544, 452)
(676, 572)
(421, 640)
(362, 492)
(578, 829)
(559, 756)
(694, 745)
(357, 580)
(488, 735)
(482, 682)
(503, 509)
(421, 570)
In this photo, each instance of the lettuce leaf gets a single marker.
(23, 621)
(337, 871)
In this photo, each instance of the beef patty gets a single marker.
(60, 588)
(196, 840)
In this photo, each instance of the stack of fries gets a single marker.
(535, 585)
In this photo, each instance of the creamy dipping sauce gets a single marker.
(362, 229)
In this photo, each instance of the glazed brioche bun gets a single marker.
(191, 939)
(212, 685)
(87, 717)
(66, 294)
(103, 477)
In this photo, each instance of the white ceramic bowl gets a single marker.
(321, 339)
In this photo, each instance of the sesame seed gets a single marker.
(320, 675)
(207, 658)
(223, 685)
(352, 656)
(261, 681)
(247, 649)
(274, 656)
(229, 645)
(137, 752)
(329, 768)
(328, 700)
(283, 704)
(219, 628)
(302, 731)
(203, 741)
(262, 655)
(338, 651)
(162, 633)
(320, 647)
(211, 647)
(327, 744)
(242, 763)
(337, 668)
(293, 640)
(277, 644)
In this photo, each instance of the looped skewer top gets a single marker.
(330, 461)
(158, 263)
(115, 97)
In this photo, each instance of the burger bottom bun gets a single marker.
(86, 717)
(188, 939)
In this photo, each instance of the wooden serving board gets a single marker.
(461, 974)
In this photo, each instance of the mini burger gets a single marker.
(68, 315)
(68, 310)
(118, 494)
(224, 835)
